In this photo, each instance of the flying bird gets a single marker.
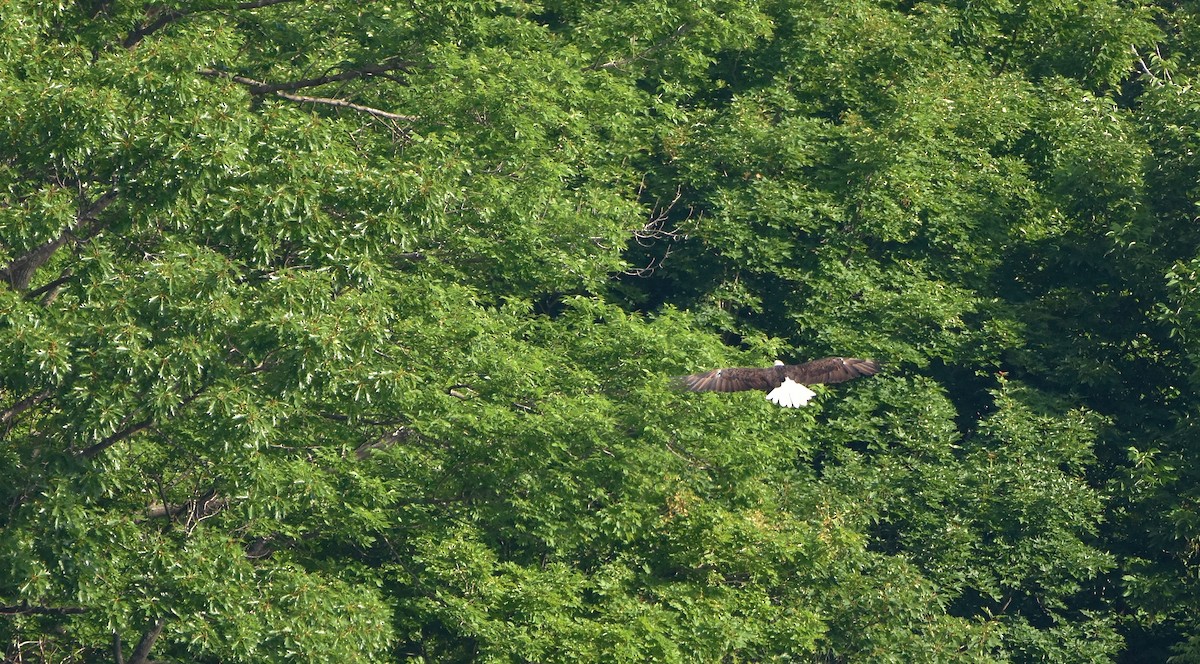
(785, 384)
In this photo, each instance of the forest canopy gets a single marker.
(345, 331)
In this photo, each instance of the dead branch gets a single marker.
(1146, 68)
(656, 227)
(651, 267)
(198, 508)
(261, 88)
(659, 228)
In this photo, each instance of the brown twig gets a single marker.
(197, 509)
(261, 88)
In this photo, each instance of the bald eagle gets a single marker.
(785, 384)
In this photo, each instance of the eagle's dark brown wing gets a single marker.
(737, 379)
(734, 380)
(831, 370)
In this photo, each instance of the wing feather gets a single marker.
(738, 379)
(735, 379)
(831, 370)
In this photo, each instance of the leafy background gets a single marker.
(340, 331)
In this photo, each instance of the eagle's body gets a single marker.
(785, 384)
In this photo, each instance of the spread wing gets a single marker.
(831, 370)
(734, 379)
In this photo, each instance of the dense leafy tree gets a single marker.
(344, 331)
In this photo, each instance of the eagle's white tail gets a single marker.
(791, 394)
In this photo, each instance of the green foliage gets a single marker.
(345, 332)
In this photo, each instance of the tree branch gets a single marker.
(197, 509)
(382, 443)
(25, 608)
(117, 437)
(50, 290)
(255, 4)
(21, 269)
(142, 652)
(158, 18)
(364, 71)
(261, 88)
(24, 405)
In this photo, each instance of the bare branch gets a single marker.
(1166, 72)
(261, 88)
(199, 508)
(341, 103)
(650, 267)
(1142, 62)
(1146, 68)
(656, 227)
